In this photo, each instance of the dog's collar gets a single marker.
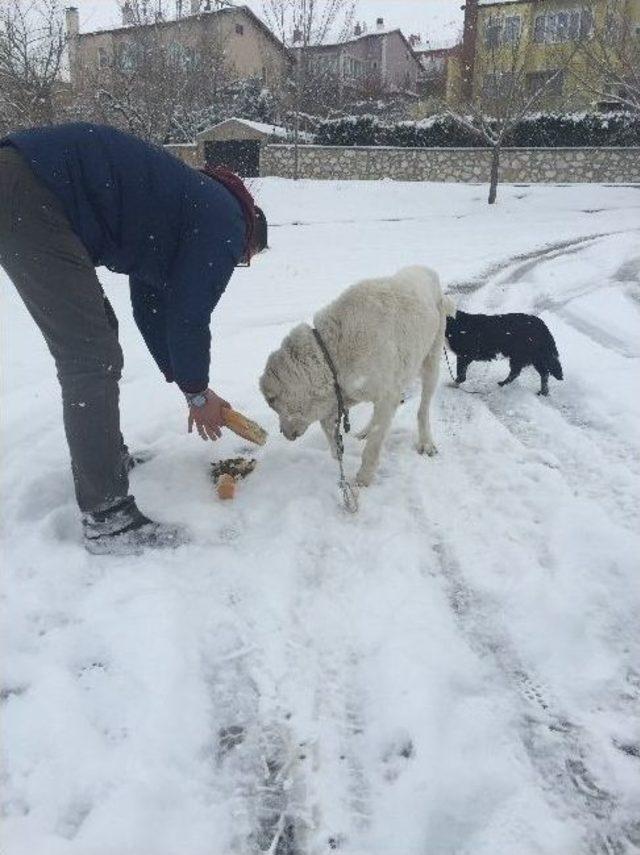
(343, 413)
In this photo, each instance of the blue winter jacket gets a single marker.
(177, 233)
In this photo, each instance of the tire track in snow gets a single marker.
(331, 769)
(514, 268)
(561, 450)
(518, 265)
(290, 767)
(608, 829)
(559, 750)
(252, 754)
(595, 333)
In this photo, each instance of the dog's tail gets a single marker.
(552, 359)
(448, 306)
(554, 366)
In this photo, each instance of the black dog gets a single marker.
(523, 339)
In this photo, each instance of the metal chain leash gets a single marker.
(458, 386)
(446, 356)
(349, 491)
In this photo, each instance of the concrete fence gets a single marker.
(468, 165)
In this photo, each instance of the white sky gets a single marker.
(437, 20)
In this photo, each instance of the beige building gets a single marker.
(249, 48)
(435, 66)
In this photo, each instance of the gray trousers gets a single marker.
(52, 271)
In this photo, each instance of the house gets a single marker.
(380, 61)
(248, 47)
(435, 62)
(547, 36)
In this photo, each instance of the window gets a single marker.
(492, 31)
(562, 27)
(103, 58)
(558, 27)
(502, 31)
(181, 57)
(497, 85)
(539, 29)
(128, 57)
(586, 24)
(551, 28)
(239, 30)
(574, 26)
(511, 32)
(539, 79)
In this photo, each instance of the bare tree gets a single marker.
(152, 86)
(610, 68)
(504, 90)
(309, 22)
(302, 24)
(32, 50)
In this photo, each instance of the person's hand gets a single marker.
(208, 419)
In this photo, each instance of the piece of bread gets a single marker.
(244, 427)
(226, 486)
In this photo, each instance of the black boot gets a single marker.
(123, 530)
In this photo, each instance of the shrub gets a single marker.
(584, 129)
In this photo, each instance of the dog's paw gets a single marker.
(428, 448)
(364, 478)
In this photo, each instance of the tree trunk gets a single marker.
(296, 146)
(495, 167)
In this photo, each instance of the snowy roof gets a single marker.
(260, 127)
(496, 2)
(427, 47)
(273, 130)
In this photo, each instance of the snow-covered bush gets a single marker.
(584, 129)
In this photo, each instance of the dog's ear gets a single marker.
(297, 344)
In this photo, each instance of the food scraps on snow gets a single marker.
(225, 473)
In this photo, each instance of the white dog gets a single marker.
(380, 334)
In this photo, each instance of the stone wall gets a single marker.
(469, 165)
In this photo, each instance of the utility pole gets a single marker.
(301, 58)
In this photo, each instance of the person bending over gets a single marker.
(78, 196)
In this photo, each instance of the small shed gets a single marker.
(235, 143)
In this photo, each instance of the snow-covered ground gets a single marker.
(456, 669)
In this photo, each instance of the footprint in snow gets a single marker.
(73, 818)
(7, 692)
(397, 755)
